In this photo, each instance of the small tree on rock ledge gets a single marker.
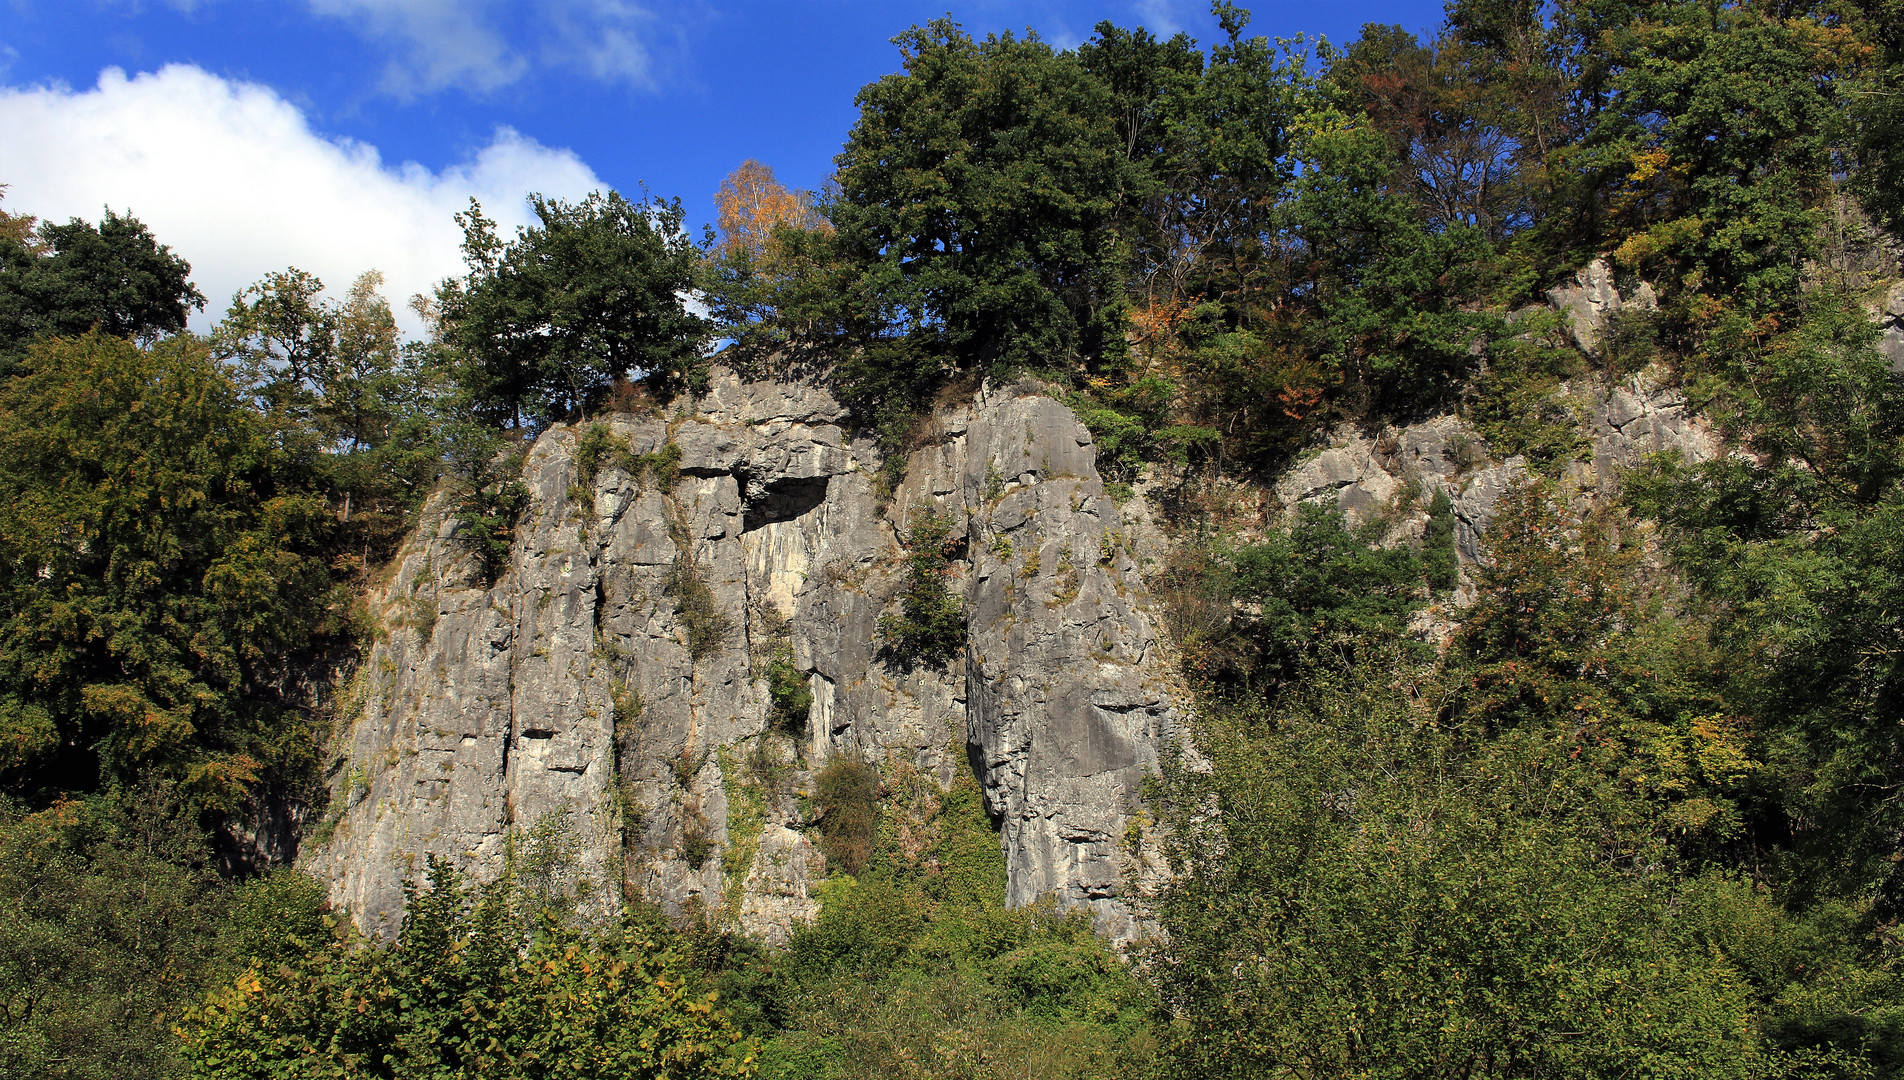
(929, 627)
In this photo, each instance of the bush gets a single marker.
(463, 991)
(1361, 890)
(846, 793)
(792, 698)
(930, 625)
(695, 605)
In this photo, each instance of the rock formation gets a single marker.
(612, 675)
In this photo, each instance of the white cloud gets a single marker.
(232, 176)
(439, 43)
(469, 44)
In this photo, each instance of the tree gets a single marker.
(333, 380)
(751, 205)
(1716, 146)
(161, 563)
(1381, 285)
(69, 278)
(591, 296)
(1319, 586)
(977, 197)
(929, 626)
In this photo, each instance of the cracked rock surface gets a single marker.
(570, 689)
(1362, 472)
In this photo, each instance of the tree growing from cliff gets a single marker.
(929, 626)
(592, 295)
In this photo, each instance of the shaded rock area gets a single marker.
(1890, 318)
(572, 689)
(1365, 473)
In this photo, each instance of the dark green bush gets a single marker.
(929, 627)
(791, 697)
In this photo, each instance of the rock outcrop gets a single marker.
(1592, 300)
(578, 687)
(1890, 319)
(1362, 472)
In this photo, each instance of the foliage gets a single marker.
(488, 500)
(1719, 136)
(63, 280)
(1519, 404)
(1362, 887)
(792, 699)
(1440, 564)
(974, 195)
(332, 380)
(115, 923)
(462, 992)
(1792, 549)
(751, 206)
(544, 325)
(846, 795)
(1270, 609)
(1879, 115)
(929, 627)
(162, 567)
(1381, 278)
(697, 608)
(916, 969)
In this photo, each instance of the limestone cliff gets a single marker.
(572, 687)
(569, 687)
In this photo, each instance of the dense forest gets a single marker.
(1632, 806)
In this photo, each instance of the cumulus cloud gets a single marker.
(232, 176)
(481, 45)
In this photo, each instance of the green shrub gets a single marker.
(695, 605)
(465, 991)
(1440, 564)
(486, 517)
(930, 625)
(792, 698)
(596, 447)
(846, 793)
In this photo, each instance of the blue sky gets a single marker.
(338, 134)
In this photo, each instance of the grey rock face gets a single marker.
(1592, 299)
(570, 689)
(1362, 473)
(1070, 691)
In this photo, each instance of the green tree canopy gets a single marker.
(66, 279)
(160, 567)
(592, 295)
(977, 204)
